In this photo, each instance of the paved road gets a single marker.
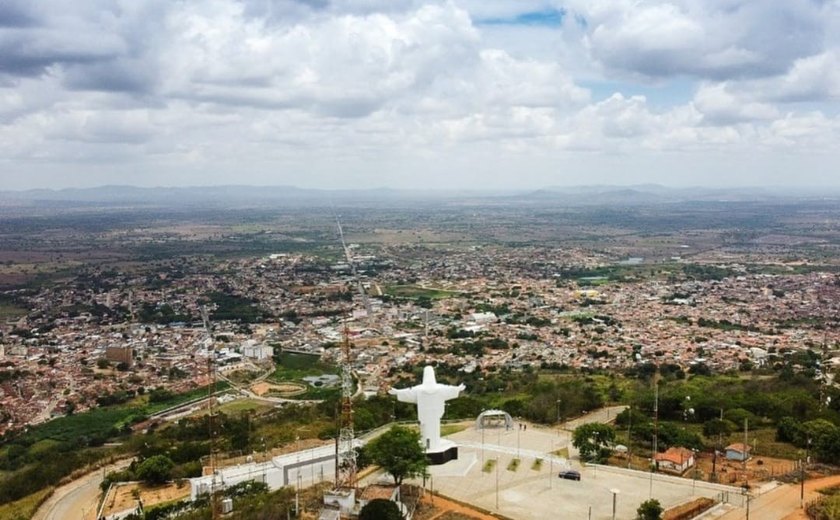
(78, 499)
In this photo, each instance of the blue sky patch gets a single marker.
(664, 95)
(546, 17)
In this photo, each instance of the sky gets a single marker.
(496, 94)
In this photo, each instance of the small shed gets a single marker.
(738, 451)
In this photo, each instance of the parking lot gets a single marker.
(534, 491)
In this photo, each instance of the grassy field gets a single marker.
(11, 311)
(451, 429)
(414, 292)
(766, 445)
(245, 406)
(294, 367)
(25, 507)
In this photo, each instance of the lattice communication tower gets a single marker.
(346, 467)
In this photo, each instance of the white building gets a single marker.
(482, 317)
(303, 468)
(253, 350)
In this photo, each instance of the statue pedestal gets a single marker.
(446, 451)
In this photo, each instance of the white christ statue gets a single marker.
(430, 398)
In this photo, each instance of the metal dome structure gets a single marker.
(494, 419)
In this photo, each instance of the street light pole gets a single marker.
(615, 493)
(497, 482)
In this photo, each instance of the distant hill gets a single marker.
(237, 195)
(234, 195)
(656, 194)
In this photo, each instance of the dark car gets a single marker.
(570, 475)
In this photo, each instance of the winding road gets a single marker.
(77, 500)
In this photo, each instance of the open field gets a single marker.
(289, 373)
(416, 292)
(294, 367)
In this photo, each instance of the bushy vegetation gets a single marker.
(649, 510)
(236, 308)
(45, 454)
(380, 509)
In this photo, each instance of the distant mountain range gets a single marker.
(264, 195)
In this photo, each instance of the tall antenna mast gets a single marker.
(346, 473)
(211, 418)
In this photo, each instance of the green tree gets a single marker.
(380, 509)
(398, 452)
(715, 427)
(592, 440)
(649, 510)
(155, 470)
(789, 430)
(828, 447)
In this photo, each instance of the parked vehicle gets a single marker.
(570, 475)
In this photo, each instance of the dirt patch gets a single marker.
(282, 389)
(758, 469)
(125, 496)
(439, 508)
(689, 510)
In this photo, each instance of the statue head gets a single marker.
(429, 376)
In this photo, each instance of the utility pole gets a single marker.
(656, 412)
(801, 485)
(746, 446)
(747, 493)
(497, 482)
(629, 443)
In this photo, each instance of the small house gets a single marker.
(738, 451)
(675, 460)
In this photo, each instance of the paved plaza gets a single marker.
(536, 493)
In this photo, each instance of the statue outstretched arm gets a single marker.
(406, 395)
(451, 392)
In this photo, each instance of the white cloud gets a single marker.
(705, 38)
(307, 90)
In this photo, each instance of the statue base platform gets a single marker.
(447, 451)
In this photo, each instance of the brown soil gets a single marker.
(729, 472)
(285, 389)
(688, 510)
(121, 496)
(439, 508)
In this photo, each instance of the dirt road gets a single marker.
(783, 502)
